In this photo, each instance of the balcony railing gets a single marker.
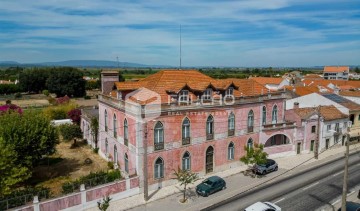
(126, 142)
(279, 125)
(209, 136)
(231, 132)
(186, 141)
(250, 129)
(159, 146)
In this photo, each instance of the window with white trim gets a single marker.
(159, 168)
(186, 161)
(231, 151)
(207, 94)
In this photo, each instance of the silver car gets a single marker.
(269, 166)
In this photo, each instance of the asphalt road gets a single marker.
(309, 190)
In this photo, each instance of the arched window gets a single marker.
(231, 151)
(231, 124)
(126, 163)
(264, 115)
(210, 128)
(115, 155)
(115, 126)
(186, 128)
(186, 161)
(251, 121)
(126, 141)
(274, 114)
(106, 120)
(250, 143)
(106, 146)
(159, 136)
(159, 168)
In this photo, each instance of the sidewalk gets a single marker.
(173, 192)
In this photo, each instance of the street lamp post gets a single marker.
(344, 193)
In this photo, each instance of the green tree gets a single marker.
(30, 135)
(121, 77)
(94, 126)
(34, 80)
(254, 155)
(66, 81)
(70, 131)
(185, 177)
(11, 173)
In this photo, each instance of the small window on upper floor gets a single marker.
(328, 127)
(184, 96)
(207, 94)
(359, 117)
(230, 91)
(345, 125)
(313, 129)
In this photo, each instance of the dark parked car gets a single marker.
(210, 185)
(351, 206)
(269, 166)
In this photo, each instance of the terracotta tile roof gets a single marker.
(346, 87)
(313, 76)
(267, 80)
(327, 112)
(336, 69)
(350, 93)
(247, 87)
(166, 82)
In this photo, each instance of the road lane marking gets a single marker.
(279, 200)
(334, 175)
(335, 202)
(351, 193)
(311, 185)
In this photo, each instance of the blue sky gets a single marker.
(214, 32)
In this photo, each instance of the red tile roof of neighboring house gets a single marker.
(336, 69)
(346, 87)
(327, 112)
(166, 82)
(350, 93)
(267, 80)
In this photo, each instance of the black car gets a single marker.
(351, 206)
(269, 166)
(210, 186)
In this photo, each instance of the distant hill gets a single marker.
(80, 63)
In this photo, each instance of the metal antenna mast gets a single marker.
(180, 46)
(117, 58)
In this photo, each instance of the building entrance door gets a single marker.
(298, 148)
(209, 159)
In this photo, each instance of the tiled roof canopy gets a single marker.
(327, 112)
(168, 82)
(267, 80)
(336, 69)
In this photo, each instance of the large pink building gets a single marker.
(183, 118)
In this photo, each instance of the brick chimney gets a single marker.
(296, 105)
(108, 78)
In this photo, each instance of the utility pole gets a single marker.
(146, 192)
(316, 151)
(344, 193)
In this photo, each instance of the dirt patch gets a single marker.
(67, 164)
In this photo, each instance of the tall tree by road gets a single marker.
(185, 177)
(66, 81)
(254, 155)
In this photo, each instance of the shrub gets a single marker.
(70, 131)
(91, 180)
(62, 100)
(45, 92)
(59, 111)
(75, 115)
(86, 97)
(110, 165)
(96, 150)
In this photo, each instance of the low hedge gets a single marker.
(91, 180)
